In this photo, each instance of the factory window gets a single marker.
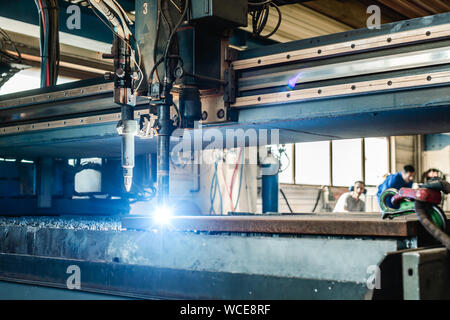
(337, 163)
(284, 152)
(312, 163)
(28, 79)
(346, 162)
(376, 160)
(88, 178)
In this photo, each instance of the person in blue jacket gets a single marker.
(403, 179)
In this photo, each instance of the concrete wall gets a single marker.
(403, 153)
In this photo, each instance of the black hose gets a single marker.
(259, 3)
(317, 200)
(166, 15)
(169, 41)
(12, 58)
(260, 14)
(49, 41)
(285, 199)
(421, 211)
(155, 44)
(280, 17)
(155, 66)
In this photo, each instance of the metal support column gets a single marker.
(45, 186)
(425, 274)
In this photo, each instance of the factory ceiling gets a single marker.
(319, 17)
(303, 20)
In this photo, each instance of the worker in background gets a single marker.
(432, 174)
(402, 179)
(350, 201)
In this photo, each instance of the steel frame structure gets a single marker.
(331, 97)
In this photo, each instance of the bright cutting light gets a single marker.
(293, 81)
(162, 215)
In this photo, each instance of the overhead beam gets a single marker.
(76, 61)
(299, 22)
(351, 12)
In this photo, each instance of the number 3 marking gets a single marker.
(145, 8)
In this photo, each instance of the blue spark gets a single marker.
(293, 81)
